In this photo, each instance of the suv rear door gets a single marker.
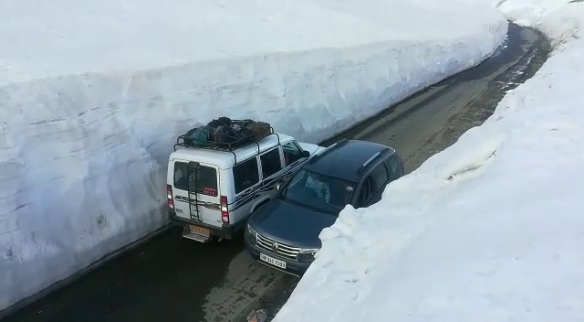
(202, 204)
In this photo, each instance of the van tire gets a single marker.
(213, 241)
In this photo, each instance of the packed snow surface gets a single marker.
(66, 37)
(93, 94)
(491, 229)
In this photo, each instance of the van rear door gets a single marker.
(201, 205)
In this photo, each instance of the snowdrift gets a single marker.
(92, 96)
(491, 229)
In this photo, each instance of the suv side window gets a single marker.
(292, 153)
(365, 193)
(246, 175)
(271, 162)
(380, 177)
(393, 164)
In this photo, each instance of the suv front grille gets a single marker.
(270, 245)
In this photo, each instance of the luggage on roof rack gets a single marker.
(225, 134)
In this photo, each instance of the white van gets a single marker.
(226, 185)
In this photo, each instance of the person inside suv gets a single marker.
(318, 191)
(320, 187)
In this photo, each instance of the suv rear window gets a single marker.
(206, 179)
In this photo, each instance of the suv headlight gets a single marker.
(306, 255)
(250, 234)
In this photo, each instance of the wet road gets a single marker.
(173, 279)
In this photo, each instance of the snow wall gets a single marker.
(83, 155)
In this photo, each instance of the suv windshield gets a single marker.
(318, 191)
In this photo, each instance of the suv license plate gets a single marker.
(272, 261)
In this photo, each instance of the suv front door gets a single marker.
(373, 186)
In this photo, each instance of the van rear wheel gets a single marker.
(214, 240)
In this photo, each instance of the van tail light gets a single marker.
(224, 210)
(169, 196)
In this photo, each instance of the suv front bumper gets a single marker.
(225, 231)
(292, 267)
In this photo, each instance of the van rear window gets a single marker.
(201, 180)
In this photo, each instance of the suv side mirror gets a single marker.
(305, 154)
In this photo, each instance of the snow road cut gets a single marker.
(92, 95)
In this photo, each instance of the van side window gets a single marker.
(271, 162)
(201, 180)
(292, 153)
(246, 174)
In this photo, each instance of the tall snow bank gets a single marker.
(93, 94)
(491, 229)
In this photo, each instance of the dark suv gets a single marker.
(283, 233)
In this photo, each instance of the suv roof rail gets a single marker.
(327, 150)
(371, 159)
(226, 147)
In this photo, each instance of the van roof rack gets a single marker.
(237, 143)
